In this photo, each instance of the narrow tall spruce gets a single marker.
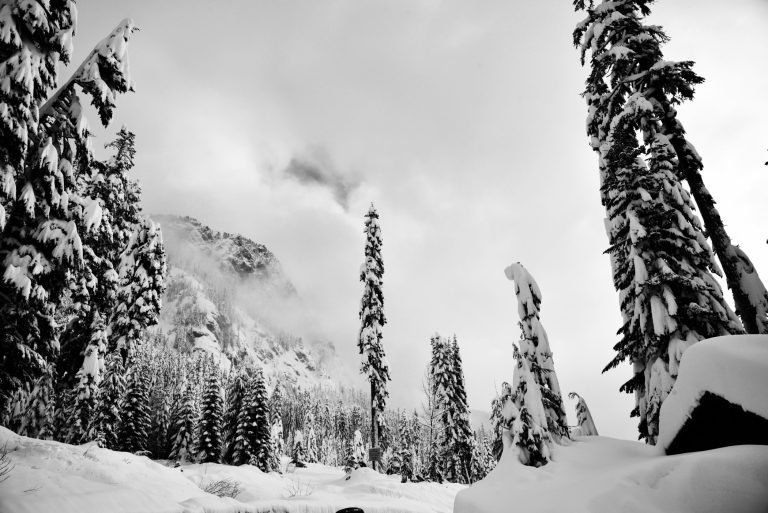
(372, 319)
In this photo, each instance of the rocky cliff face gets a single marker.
(229, 296)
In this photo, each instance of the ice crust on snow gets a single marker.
(733, 367)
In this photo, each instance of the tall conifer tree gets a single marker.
(372, 319)
(45, 148)
(630, 52)
(662, 265)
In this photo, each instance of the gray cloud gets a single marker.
(317, 170)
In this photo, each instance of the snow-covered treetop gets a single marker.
(526, 288)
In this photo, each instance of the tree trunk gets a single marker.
(374, 426)
(733, 261)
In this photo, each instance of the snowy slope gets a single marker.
(51, 476)
(604, 475)
(229, 296)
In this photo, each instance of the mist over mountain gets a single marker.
(229, 296)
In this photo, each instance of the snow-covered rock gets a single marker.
(603, 475)
(720, 397)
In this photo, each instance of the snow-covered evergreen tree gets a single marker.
(629, 51)
(276, 400)
(31, 409)
(89, 377)
(403, 463)
(298, 454)
(586, 426)
(455, 433)
(233, 411)
(111, 392)
(662, 263)
(498, 421)
(534, 345)
(160, 434)
(184, 418)
(358, 448)
(527, 418)
(489, 460)
(462, 449)
(134, 421)
(260, 441)
(372, 319)
(276, 447)
(118, 196)
(142, 272)
(209, 437)
(311, 445)
(277, 437)
(45, 150)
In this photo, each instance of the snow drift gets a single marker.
(727, 377)
(603, 475)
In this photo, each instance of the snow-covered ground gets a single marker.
(605, 475)
(54, 477)
(593, 474)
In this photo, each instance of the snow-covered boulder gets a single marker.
(720, 397)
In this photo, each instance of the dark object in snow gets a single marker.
(717, 422)
(350, 510)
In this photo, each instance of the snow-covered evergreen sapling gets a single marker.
(298, 454)
(499, 423)
(585, 424)
(358, 448)
(372, 319)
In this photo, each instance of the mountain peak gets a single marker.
(234, 252)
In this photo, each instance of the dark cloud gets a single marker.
(317, 170)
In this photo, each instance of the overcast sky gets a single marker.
(462, 122)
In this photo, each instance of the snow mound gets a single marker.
(603, 475)
(52, 476)
(734, 368)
